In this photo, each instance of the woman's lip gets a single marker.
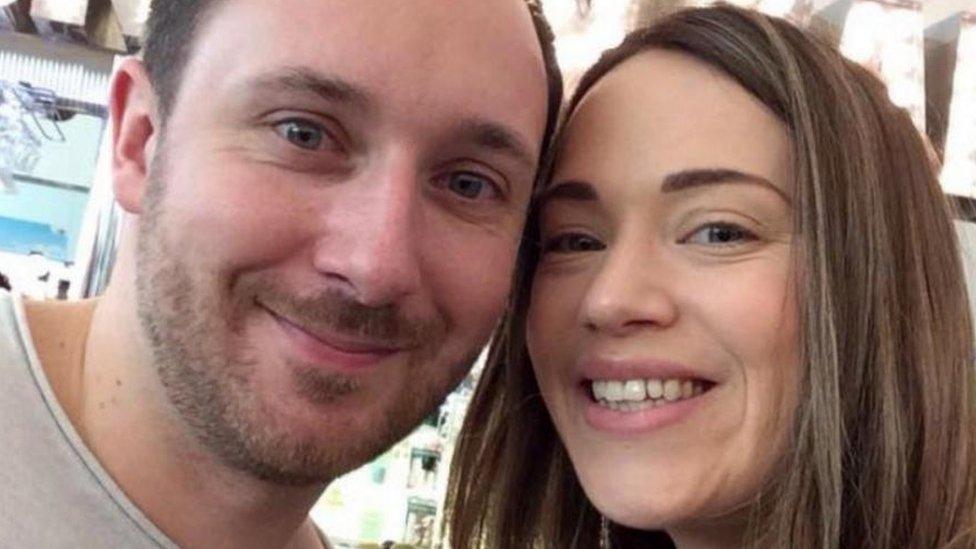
(639, 422)
(598, 368)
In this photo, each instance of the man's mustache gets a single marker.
(335, 311)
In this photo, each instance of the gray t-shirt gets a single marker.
(53, 492)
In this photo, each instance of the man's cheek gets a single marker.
(475, 282)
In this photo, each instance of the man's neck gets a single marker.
(60, 334)
(92, 356)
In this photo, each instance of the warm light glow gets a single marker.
(860, 42)
(581, 39)
(959, 172)
(888, 39)
(779, 8)
(560, 13)
(798, 11)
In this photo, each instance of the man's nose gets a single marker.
(372, 241)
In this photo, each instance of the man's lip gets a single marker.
(339, 342)
(606, 368)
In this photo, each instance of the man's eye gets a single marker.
(721, 234)
(471, 186)
(301, 133)
(572, 243)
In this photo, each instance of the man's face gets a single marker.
(332, 219)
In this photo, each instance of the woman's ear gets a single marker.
(135, 123)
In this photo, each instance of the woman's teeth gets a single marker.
(639, 394)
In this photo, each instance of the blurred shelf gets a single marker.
(31, 180)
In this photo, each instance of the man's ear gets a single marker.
(135, 127)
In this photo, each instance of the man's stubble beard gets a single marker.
(189, 326)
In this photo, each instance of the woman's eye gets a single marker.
(572, 243)
(471, 186)
(301, 133)
(721, 234)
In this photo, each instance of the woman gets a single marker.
(740, 318)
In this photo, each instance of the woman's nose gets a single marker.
(632, 290)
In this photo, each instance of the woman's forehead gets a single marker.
(662, 112)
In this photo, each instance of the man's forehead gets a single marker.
(471, 56)
(496, 36)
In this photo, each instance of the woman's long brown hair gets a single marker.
(882, 451)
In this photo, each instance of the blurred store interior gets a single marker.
(59, 226)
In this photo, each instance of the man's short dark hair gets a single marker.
(171, 33)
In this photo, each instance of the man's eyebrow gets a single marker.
(497, 138)
(578, 191)
(305, 80)
(689, 179)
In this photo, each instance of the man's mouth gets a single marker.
(334, 346)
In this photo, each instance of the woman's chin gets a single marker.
(642, 508)
(641, 511)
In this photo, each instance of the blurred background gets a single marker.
(59, 225)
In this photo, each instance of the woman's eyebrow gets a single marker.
(699, 177)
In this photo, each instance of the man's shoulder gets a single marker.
(6, 299)
(51, 481)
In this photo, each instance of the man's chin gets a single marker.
(309, 441)
(302, 460)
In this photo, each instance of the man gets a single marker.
(326, 198)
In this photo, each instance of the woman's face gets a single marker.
(663, 322)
